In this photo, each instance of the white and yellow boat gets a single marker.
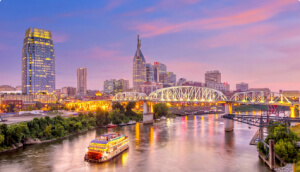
(106, 147)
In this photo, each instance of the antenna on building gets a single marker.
(138, 42)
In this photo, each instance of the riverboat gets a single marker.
(106, 147)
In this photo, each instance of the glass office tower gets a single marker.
(139, 68)
(149, 72)
(38, 62)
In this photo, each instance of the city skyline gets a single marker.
(247, 42)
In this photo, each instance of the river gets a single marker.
(193, 143)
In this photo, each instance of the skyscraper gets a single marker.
(114, 86)
(149, 72)
(242, 87)
(212, 77)
(160, 70)
(139, 68)
(38, 62)
(81, 81)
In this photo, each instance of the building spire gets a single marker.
(138, 42)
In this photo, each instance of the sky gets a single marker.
(257, 42)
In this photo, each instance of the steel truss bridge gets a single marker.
(204, 94)
(130, 97)
(260, 97)
(260, 121)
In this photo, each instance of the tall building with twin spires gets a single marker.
(38, 62)
(139, 67)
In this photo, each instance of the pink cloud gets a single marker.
(249, 16)
(98, 53)
(59, 37)
(190, 70)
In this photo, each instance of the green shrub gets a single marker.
(47, 131)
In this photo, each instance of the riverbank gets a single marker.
(31, 141)
(46, 129)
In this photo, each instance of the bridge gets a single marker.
(190, 94)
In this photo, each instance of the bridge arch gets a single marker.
(187, 94)
(260, 97)
(129, 97)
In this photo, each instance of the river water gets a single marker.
(194, 143)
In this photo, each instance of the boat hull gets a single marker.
(106, 160)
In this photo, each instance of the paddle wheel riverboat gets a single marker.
(106, 147)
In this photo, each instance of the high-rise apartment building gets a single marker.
(160, 70)
(109, 86)
(171, 78)
(81, 81)
(114, 86)
(242, 87)
(149, 72)
(139, 67)
(212, 77)
(181, 80)
(125, 84)
(38, 62)
(69, 91)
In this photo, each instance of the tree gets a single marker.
(90, 114)
(117, 105)
(58, 130)
(117, 117)
(129, 108)
(160, 109)
(47, 131)
(78, 126)
(1, 139)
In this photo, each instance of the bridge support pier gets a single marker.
(228, 123)
(292, 108)
(147, 113)
(228, 108)
(261, 133)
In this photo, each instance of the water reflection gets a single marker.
(137, 134)
(194, 143)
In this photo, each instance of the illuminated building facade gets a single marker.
(171, 78)
(160, 70)
(139, 67)
(149, 87)
(68, 91)
(181, 80)
(149, 72)
(212, 77)
(242, 87)
(38, 62)
(81, 82)
(114, 86)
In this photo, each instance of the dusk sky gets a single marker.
(255, 41)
